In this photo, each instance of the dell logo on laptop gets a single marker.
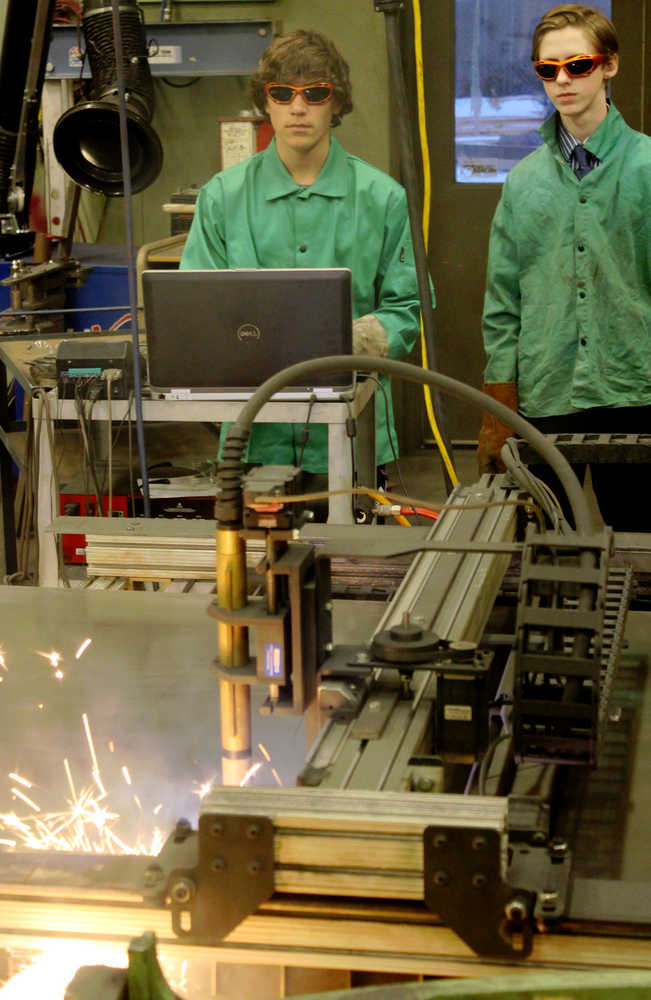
(248, 331)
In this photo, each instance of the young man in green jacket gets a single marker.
(567, 312)
(305, 202)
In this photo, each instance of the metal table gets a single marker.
(15, 356)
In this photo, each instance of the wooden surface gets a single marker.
(306, 938)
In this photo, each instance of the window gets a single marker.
(499, 101)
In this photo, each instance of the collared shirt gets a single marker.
(567, 311)
(255, 215)
(567, 144)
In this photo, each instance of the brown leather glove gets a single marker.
(370, 337)
(493, 432)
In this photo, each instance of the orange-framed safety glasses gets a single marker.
(583, 65)
(313, 93)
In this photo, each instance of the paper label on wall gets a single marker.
(237, 142)
(166, 54)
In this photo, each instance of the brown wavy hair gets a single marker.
(303, 55)
(596, 25)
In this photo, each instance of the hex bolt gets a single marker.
(218, 864)
(478, 842)
(539, 837)
(182, 830)
(183, 890)
(441, 877)
(253, 830)
(516, 909)
(255, 866)
(152, 876)
(558, 851)
(425, 783)
(548, 900)
(440, 839)
(479, 880)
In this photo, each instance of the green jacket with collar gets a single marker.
(255, 215)
(567, 311)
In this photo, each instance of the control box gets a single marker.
(86, 363)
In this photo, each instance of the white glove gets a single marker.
(370, 337)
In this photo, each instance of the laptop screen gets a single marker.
(221, 331)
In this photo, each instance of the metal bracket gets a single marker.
(234, 876)
(464, 885)
(291, 643)
(215, 877)
(547, 869)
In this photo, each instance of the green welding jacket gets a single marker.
(567, 311)
(255, 215)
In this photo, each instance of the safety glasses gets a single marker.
(583, 65)
(313, 93)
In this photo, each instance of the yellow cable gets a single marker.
(427, 194)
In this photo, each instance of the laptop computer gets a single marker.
(220, 334)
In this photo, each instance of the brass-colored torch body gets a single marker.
(235, 699)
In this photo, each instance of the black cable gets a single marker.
(410, 180)
(394, 450)
(118, 429)
(305, 430)
(179, 86)
(131, 256)
(132, 485)
(487, 760)
(351, 432)
(93, 390)
(79, 405)
(229, 502)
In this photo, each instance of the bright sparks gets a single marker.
(54, 657)
(87, 824)
(249, 774)
(82, 649)
(21, 781)
(47, 970)
(55, 965)
(97, 778)
(21, 795)
(205, 787)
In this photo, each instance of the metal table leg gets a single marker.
(340, 474)
(8, 557)
(46, 500)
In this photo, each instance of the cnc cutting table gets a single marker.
(146, 687)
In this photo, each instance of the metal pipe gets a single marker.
(131, 256)
(235, 699)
